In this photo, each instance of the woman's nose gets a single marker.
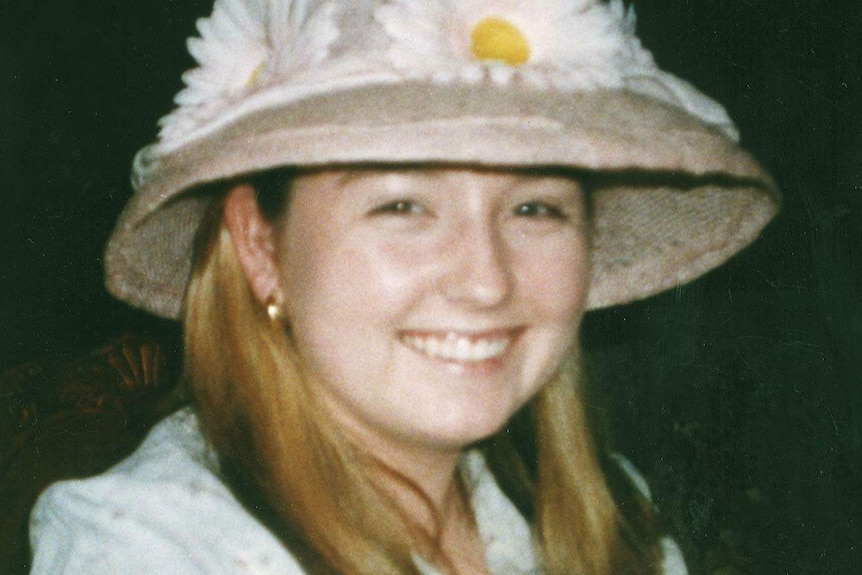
(480, 273)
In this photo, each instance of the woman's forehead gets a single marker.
(436, 176)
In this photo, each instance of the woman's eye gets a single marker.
(539, 210)
(399, 207)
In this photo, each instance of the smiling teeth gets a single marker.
(459, 348)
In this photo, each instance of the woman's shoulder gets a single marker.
(495, 513)
(162, 510)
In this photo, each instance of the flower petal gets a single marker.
(245, 46)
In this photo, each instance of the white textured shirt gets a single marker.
(166, 510)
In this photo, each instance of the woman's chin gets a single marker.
(463, 432)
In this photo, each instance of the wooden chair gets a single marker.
(64, 417)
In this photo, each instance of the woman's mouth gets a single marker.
(460, 347)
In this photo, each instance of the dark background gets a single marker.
(739, 395)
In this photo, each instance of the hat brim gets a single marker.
(673, 197)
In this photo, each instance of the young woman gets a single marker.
(380, 224)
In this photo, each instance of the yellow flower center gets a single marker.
(495, 38)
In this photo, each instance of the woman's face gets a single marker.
(431, 304)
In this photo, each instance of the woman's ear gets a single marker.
(254, 241)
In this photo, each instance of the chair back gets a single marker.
(70, 417)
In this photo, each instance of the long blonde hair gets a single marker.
(311, 488)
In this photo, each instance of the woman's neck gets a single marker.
(425, 487)
(447, 522)
(406, 466)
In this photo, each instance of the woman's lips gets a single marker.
(460, 346)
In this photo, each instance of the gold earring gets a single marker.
(274, 310)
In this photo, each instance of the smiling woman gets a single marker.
(429, 304)
(425, 308)
(373, 220)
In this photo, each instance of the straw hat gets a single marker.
(500, 83)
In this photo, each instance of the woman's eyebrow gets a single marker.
(530, 181)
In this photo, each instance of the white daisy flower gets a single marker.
(244, 47)
(565, 44)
